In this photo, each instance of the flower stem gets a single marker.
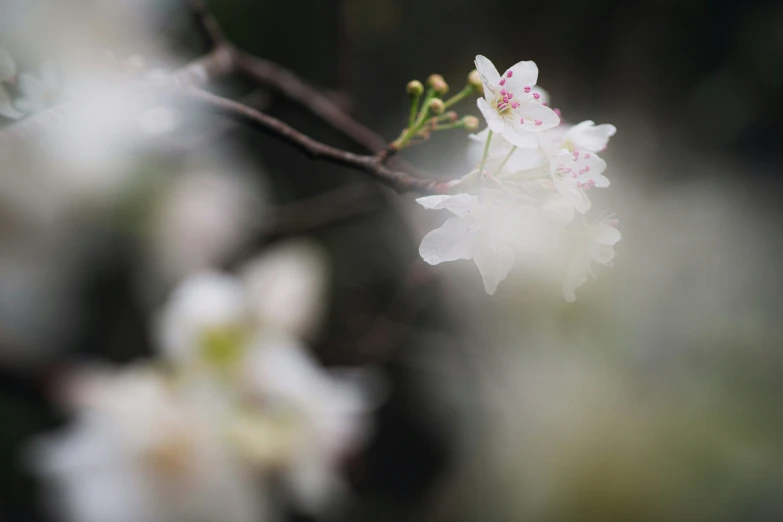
(414, 109)
(513, 150)
(466, 91)
(486, 153)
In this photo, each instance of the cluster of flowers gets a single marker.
(238, 403)
(535, 173)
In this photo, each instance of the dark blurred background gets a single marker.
(695, 90)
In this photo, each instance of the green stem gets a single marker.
(513, 150)
(417, 125)
(414, 109)
(486, 153)
(461, 95)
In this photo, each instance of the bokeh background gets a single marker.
(656, 396)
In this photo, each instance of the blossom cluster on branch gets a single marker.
(534, 176)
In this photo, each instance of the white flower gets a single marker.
(485, 231)
(588, 136)
(287, 288)
(7, 74)
(574, 173)
(205, 321)
(138, 451)
(203, 218)
(40, 92)
(510, 105)
(596, 247)
(330, 414)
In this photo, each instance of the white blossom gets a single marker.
(485, 231)
(597, 246)
(39, 92)
(575, 173)
(330, 413)
(7, 74)
(140, 451)
(510, 105)
(202, 219)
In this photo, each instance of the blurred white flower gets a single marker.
(287, 288)
(206, 321)
(597, 246)
(486, 231)
(139, 451)
(7, 74)
(329, 412)
(510, 105)
(575, 173)
(295, 417)
(39, 92)
(203, 218)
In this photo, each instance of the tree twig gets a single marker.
(372, 165)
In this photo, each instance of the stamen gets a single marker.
(536, 95)
(502, 82)
(510, 74)
(538, 123)
(527, 89)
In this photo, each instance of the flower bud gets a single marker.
(452, 116)
(474, 80)
(436, 106)
(471, 123)
(415, 88)
(438, 84)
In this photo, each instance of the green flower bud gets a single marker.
(436, 106)
(438, 84)
(474, 80)
(471, 123)
(415, 88)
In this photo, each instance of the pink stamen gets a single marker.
(503, 92)
(587, 168)
(522, 121)
(587, 155)
(591, 182)
(536, 95)
(527, 89)
(510, 74)
(538, 123)
(557, 111)
(545, 104)
(502, 82)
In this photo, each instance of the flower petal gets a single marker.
(454, 240)
(6, 108)
(574, 194)
(575, 276)
(605, 234)
(494, 265)
(517, 135)
(7, 66)
(459, 204)
(489, 75)
(494, 120)
(536, 116)
(589, 136)
(521, 75)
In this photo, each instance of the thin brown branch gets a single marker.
(294, 88)
(371, 165)
(207, 23)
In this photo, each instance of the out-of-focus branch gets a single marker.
(372, 165)
(225, 60)
(207, 23)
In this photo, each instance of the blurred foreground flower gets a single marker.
(243, 401)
